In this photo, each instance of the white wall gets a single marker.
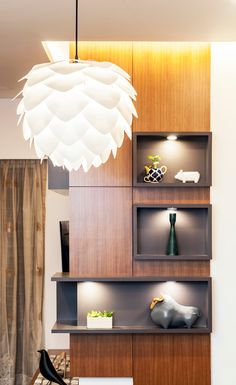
(223, 265)
(13, 146)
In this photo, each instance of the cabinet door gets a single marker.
(100, 231)
(101, 355)
(171, 360)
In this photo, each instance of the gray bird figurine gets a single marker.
(47, 369)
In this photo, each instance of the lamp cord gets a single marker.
(76, 28)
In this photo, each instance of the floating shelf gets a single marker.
(151, 231)
(190, 152)
(129, 298)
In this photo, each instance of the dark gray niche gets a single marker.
(129, 298)
(58, 178)
(190, 152)
(151, 231)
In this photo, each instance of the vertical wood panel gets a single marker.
(101, 227)
(172, 360)
(101, 355)
(173, 85)
(115, 172)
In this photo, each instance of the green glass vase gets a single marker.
(172, 247)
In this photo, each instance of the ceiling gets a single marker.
(25, 23)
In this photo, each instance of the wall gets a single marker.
(223, 119)
(13, 146)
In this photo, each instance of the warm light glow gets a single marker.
(89, 287)
(172, 210)
(172, 137)
(57, 50)
(170, 287)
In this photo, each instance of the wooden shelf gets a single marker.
(190, 152)
(72, 327)
(129, 298)
(69, 277)
(151, 231)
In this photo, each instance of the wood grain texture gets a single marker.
(100, 231)
(171, 360)
(173, 85)
(171, 195)
(171, 268)
(115, 172)
(101, 355)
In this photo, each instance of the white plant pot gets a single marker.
(99, 322)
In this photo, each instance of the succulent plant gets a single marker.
(97, 313)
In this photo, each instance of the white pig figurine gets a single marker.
(188, 176)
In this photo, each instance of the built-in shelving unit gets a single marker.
(190, 152)
(129, 298)
(151, 231)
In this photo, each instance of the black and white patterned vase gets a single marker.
(155, 175)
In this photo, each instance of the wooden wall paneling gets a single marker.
(118, 171)
(171, 360)
(101, 355)
(171, 195)
(101, 228)
(173, 85)
(172, 268)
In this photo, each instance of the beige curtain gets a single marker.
(22, 222)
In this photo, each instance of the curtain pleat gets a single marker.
(22, 234)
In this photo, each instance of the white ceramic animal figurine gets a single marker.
(188, 176)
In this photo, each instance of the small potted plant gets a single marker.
(154, 173)
(99, 319)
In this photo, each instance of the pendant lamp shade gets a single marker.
(77, 113)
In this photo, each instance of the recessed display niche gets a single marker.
(129, 298)
(151, 230)
(187, 151)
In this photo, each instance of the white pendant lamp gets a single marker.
(76, 112)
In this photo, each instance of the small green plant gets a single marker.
(155, 160)
(95, 313)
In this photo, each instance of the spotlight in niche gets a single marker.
(170, 283)
(89, 287)
(172, 210)
(172, 137)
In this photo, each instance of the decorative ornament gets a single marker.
(76, 112)
(167, 313)
(154, 174)
(172, 247)
(188, 176)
